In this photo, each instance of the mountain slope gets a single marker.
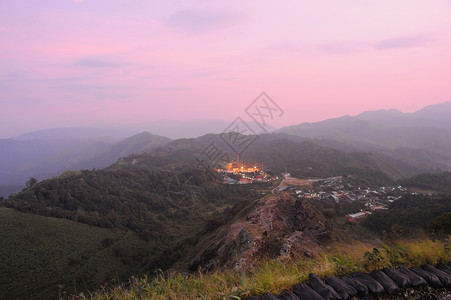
(275, 226)
(142, 142)
(46, 255)
(439, 183)
(279, 152)
(427, 131)
(23, 159)
(145, 203)
(38, 158)
(437, 115)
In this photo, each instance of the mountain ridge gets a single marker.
(427, 130)
(24, 159)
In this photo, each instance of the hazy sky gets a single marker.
(66, 63)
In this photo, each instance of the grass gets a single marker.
(42, 256)
(276, 276)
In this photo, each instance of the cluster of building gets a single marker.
(333, 189)
(236, 172)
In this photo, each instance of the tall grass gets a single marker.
(276, 275)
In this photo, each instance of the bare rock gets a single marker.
(277, 227)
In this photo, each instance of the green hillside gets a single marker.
(280, 152)
(439, 183)
(140, 215)
(422, 138)
(128, 197)
(413, 213)
(42, 256)
(306, 159)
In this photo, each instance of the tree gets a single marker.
(442, 224)
(31, 182)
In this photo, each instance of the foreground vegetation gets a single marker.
(40, 255)
(82, 229)
(414, 213)
(276, 276)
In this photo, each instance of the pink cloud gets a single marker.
(201, 21)
(344, 48)
(404, 42)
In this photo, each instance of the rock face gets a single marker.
(277, 226)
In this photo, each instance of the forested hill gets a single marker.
(151, 203)
(162, 212)
(413, 214)
(138, 184)
(422, 137)
(439, 183)
(279, 152)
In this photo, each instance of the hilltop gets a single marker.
(274, 227)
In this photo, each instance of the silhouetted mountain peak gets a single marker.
(145, 136)
(425, 131)
(380, 113)
(433, 111)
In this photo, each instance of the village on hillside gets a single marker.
(331, 189)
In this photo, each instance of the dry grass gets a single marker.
(275, 275)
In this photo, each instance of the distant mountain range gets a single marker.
(411, 143)
(173, 129)
(435, 116)
(422, 137)
(42, 158)
(75, 133)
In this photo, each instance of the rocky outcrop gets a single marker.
(277, 227)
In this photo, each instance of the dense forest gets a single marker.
(279, 152)
(413, 213)
(162, 215)
(440, 183)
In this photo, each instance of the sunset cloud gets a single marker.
(99, 62)
(403, 42)
(342, 48)
(198, 21)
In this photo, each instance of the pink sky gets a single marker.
(70, 63)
